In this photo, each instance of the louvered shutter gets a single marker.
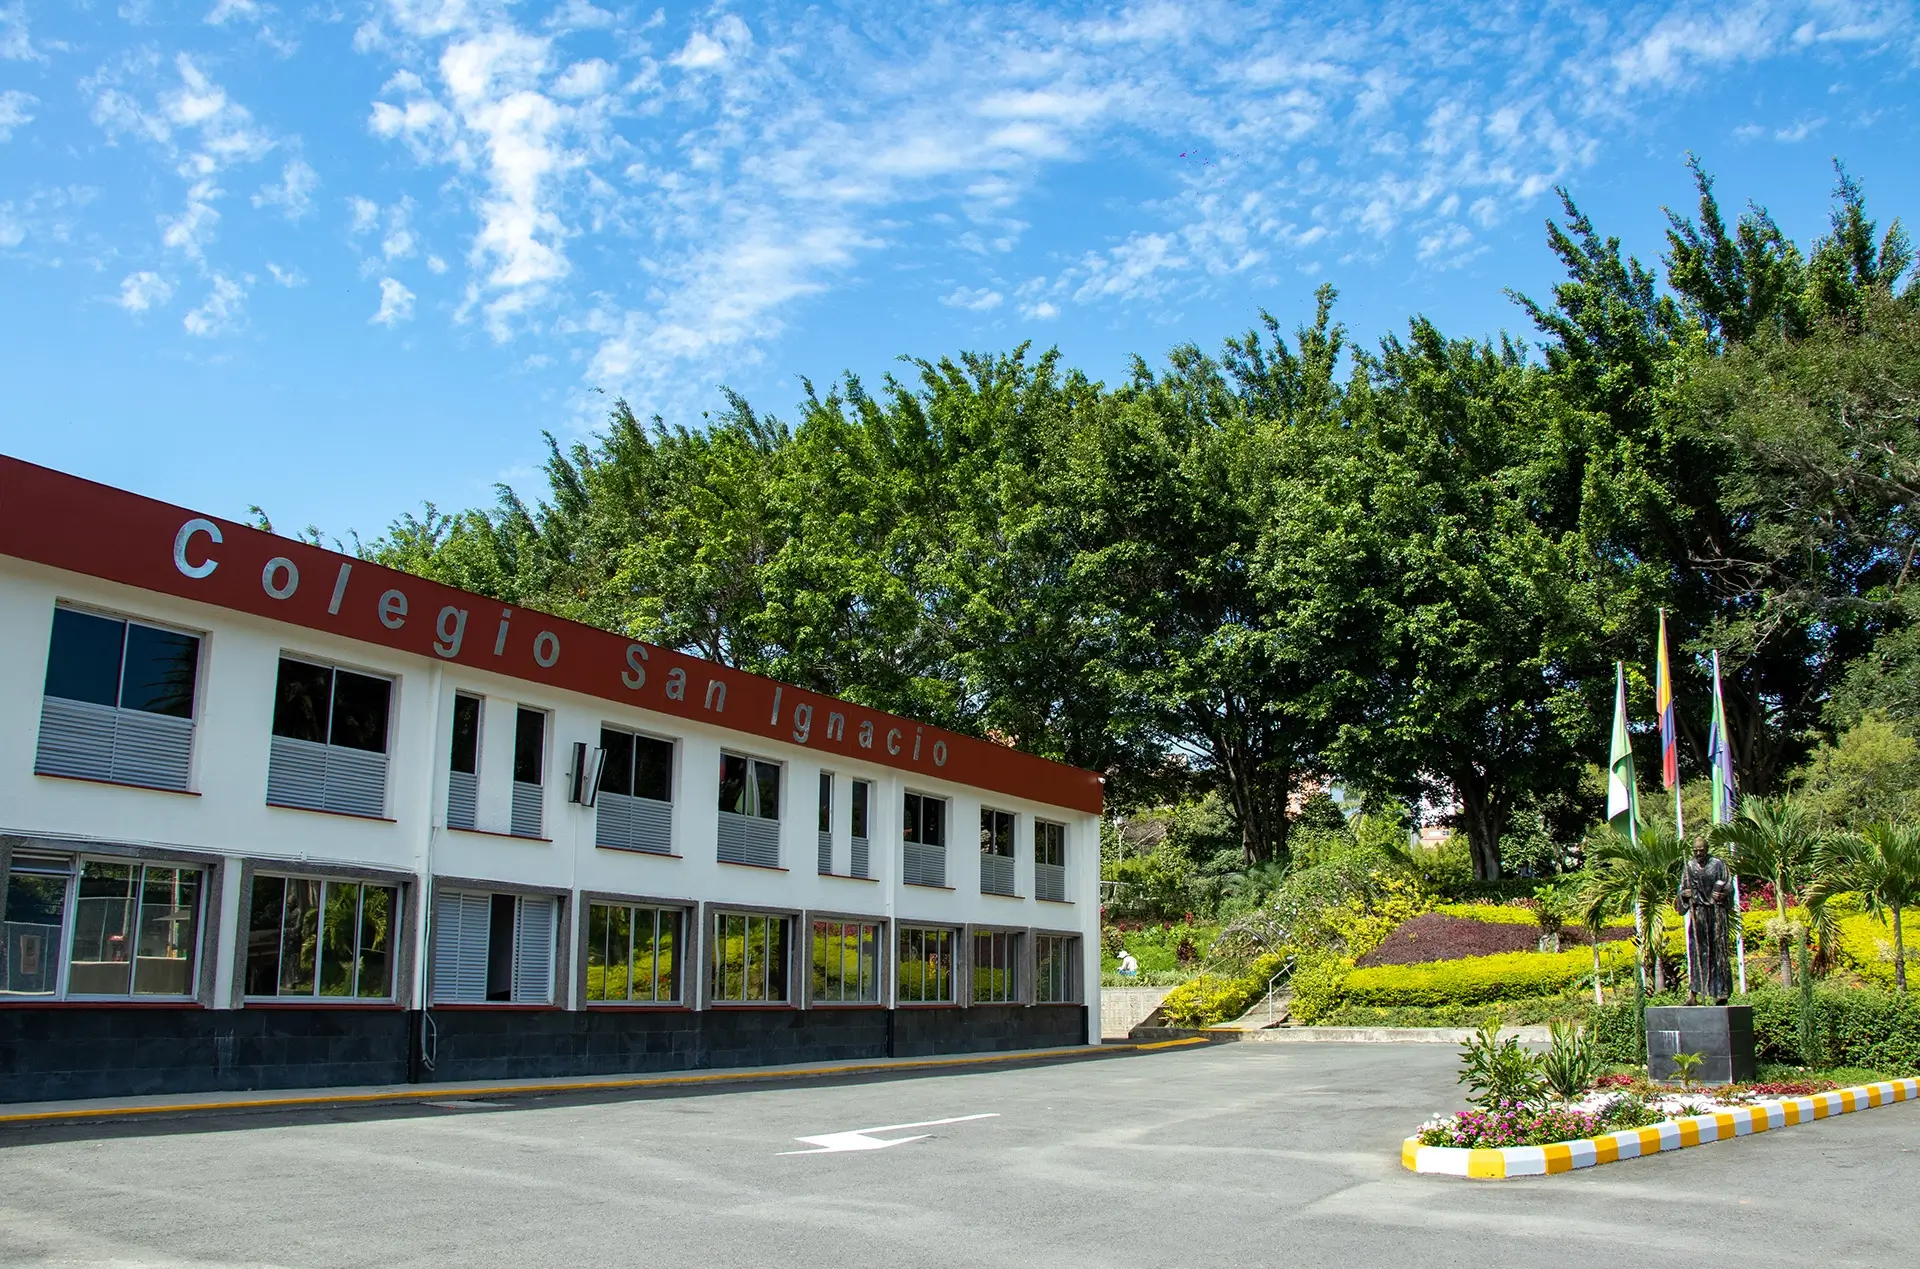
(529, 803)
(76, 739)
(463, 798)
(533, 951)
(460, 922)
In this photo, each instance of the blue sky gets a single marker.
(338, 258)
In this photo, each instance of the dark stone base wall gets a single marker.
(72, 1052)
(78, 1051)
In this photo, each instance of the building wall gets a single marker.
(226, 815)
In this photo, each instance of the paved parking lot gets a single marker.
(1227, 1155)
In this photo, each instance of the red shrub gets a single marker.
(1435, 937)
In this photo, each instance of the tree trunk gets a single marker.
(1786, 946)
(1483, 818)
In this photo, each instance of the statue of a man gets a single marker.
(1706, 902)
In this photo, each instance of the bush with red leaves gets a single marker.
(1436, 937)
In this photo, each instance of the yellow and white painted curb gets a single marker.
(1674, 1134)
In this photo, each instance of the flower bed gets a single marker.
(1440, 936)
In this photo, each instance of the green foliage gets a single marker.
(1318, 987)
(1685, 1065)
(1157, 947)
(1499, 1072)
(1570, 1063)
(1882, 866)
(1210, 999)
(1807, 1015)
(1475, 980)
(1869, 773)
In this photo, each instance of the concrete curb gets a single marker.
(1342, 1035)
(186, 1103)
(1673, 1134)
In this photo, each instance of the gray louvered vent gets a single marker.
(748, 839)
(860, 849)
(463, 799)
(533, 952)
(460, 923)
(622, 822)
(528, 802)
(996, 874)
(826, 853)
(317, 777)
(923, 865)
(99, 742)
(1050, 882)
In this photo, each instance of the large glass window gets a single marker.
(328, 706)
(307, 937)
(633, 953)
(35, 916)
(118, 702)
(636, 766)
(846, 962)
(126, 664)
(993, 972)
(750, 954)
(136, 930)
(926, 966)
(1054, 981)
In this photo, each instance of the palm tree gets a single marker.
(1638, 875)
(1773, 841)
(1881, 864)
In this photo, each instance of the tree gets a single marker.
(1882, 865)
(1772, 841)
(1636, 875)
(1870, 772)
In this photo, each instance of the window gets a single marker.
(633, 953)
(1050, 861)
(826, 822)
(749, 959)
(329, 739)
(924, 829)
(118, 701)
(329, 939)
(993, 973)
(749, 811)
(846, 963)
(529, 772)
(463, 775)
(996, 851)
(1054, 980)
(128, 929)
(926, 966)
(862, 838)
(634, 809)
(493, 948)
(35, 916)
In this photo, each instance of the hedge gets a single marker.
(1864, 1027)
(1473, 980)
(1211, 999)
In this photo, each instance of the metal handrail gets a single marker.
(1285, 971)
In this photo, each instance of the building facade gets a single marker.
(274, 817)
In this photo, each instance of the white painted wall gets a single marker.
(229, 815)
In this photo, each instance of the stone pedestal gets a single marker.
(1722, 1034)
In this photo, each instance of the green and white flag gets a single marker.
(1623, 795)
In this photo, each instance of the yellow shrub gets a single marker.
(1473, 980)
(1361, 924)
(1211, 999)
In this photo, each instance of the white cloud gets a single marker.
(365, 214)
(290, 277)
(294, 194)
(1044, 311)
(978, 300)
(192, 229)
(219, 312)
(16, 109)
(436, 265)
(225, 11)
(396, 304)
(15, 43)
(144, 290)
(727, 41)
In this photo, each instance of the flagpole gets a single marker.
(1723, 813)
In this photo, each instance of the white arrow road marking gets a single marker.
(838, 1142)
